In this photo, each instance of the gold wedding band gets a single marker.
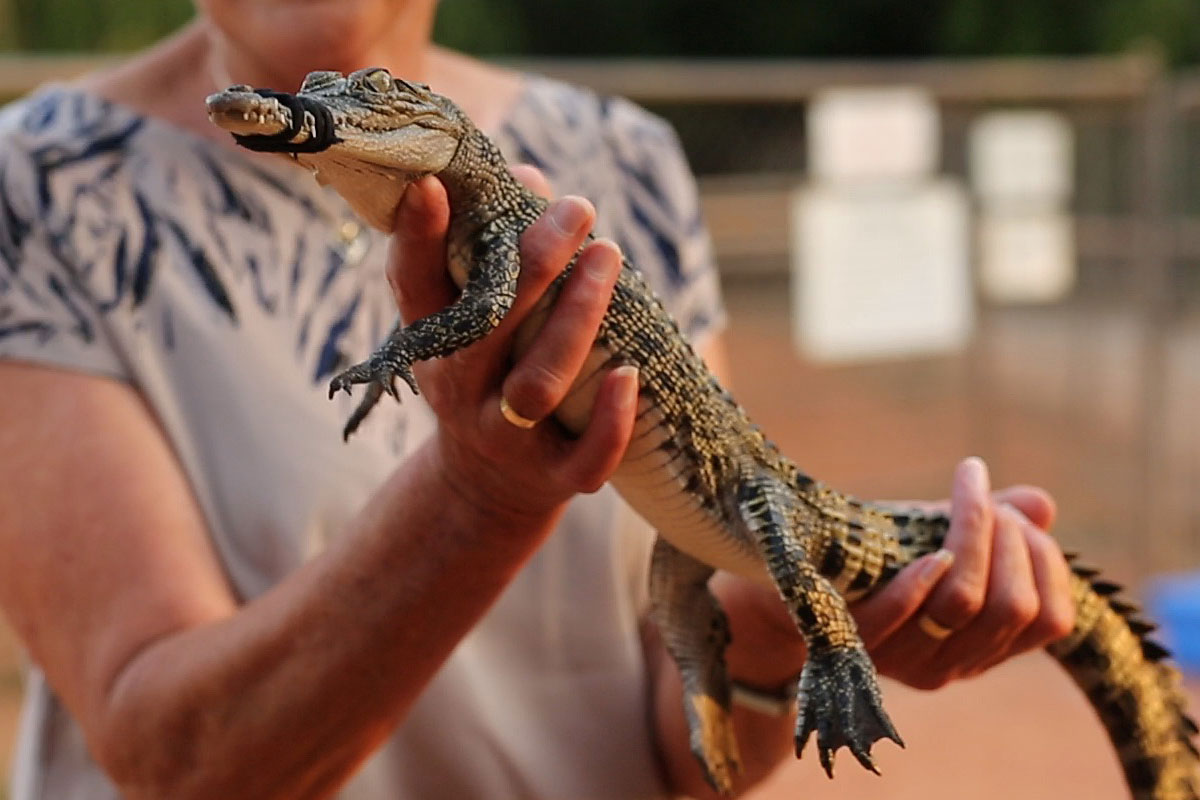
(932, 628)
(513, 417)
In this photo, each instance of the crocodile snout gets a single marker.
(242, 111)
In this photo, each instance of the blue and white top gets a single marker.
(227, 289)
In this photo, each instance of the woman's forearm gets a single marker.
(287, 695)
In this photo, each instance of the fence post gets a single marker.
(1154, 267)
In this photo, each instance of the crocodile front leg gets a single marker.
(695, 632)
(839, 689)
(486, 297)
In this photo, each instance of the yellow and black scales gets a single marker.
(719, 493)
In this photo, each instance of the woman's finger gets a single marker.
(533, 179)
(960, 595)
(882, 614)
(1036, 504)
(545, 372)
(546, 247)
(416, 267)
(591, 459)
(1056, 612)
(1012, 602)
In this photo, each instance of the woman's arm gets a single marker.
(109, 577)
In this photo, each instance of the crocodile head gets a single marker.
(367, 134)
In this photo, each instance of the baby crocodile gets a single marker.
(720, 495)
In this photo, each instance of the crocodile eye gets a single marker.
(379, 80)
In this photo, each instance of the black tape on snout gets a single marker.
(322, 136)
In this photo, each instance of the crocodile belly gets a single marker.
(653, 480)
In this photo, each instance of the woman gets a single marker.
(222, 600)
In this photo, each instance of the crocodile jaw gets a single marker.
(240, 111)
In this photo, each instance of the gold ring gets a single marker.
(512, 416)
(932, 628)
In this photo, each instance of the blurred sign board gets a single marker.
(1021, 157)
(881, 273)
(873, 134)
(1026, 258)
(1021, 164)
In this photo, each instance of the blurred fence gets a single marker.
(1110, 374)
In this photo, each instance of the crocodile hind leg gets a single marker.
(695, 632)
(487, 296)
(839, 690)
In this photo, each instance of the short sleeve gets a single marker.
(49, 309)
(628, 162)
(667, 224)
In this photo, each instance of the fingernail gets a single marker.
(570, 214)
(629, 374)
(977, 474)
(935, 566)
(599, 268)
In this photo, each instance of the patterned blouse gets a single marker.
(227, 288)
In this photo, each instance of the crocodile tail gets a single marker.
(919, 532)
(1124, 672)
(1134, 690)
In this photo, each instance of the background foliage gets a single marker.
(746, 28)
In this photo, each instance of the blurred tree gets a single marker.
(747, 28)
(1172, 25)
(821, 28)
(8, 25)
(483, 26)
(90, 25)
(1071, 27)
(707, 27)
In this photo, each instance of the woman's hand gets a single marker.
(493, 463)
(999, 587)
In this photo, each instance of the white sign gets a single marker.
(873, 134)
(881, 274)
(1022, 157)
(1026, 258)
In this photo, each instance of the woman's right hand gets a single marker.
(490, 462)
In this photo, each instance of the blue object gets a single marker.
(1174, 603)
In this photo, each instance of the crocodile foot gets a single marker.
(378, 371)
(380, 376)
(842, 703)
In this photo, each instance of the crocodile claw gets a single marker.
(382, 372)
(842, 703)
(380, 376)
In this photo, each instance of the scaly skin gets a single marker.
(719, 493)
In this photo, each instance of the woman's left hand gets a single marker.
(1000, 587)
